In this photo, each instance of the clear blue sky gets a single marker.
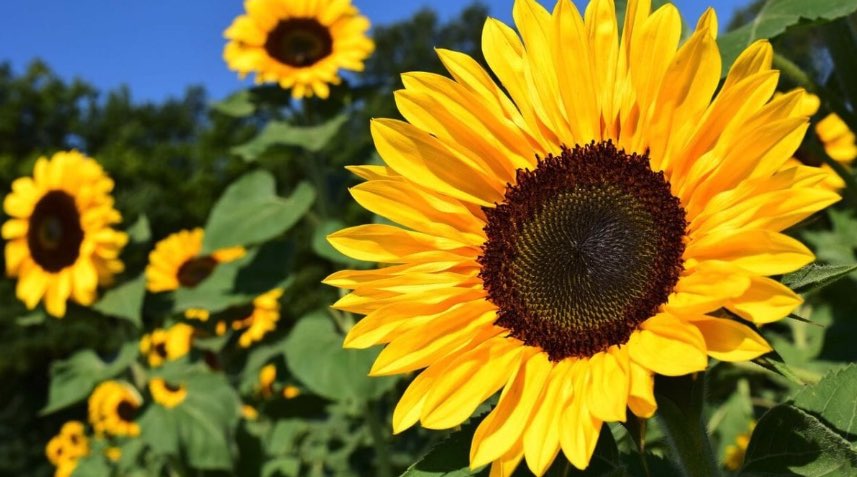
(158, 47)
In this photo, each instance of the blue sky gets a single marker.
(158, 47)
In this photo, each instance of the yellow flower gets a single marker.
(113, 454)
(567, 235)
(249, 412)
(65, 468)
(60, 243)
(262, 320)
(166, 394)
(837, 139)
(267, 377)
(113, 406)
(197, 314)
(167, 345)
(291, 392)
(175, 262)
(300, 44)
(69, 445)
(735, 452)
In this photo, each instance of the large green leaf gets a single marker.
(775, 17)
(281, 133)
(449, 458)
(315, 356)
(124, 301)
(237, 283)
(73, 379)
(237, 105)
(788, 441)
(201, 428)
(814, 276)
(251, 212)
(833, 401)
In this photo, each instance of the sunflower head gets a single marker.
(608, 212)
(169, 344)
(261, 320)
(300, 44)
(60, 240)
(167, 394)
(113, 408)
(267, 377)
(69, 445)
(176, 261)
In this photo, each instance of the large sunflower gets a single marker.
(60, 243)
(176, 261)
(601, 217)
(300, 44)
(113, 408)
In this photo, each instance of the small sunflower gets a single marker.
(167, 344)
(113, 407)
(262, 319)
(113, 454)
(166, 394)
(291, 392)
(267, 377)
(603, 216)
(736, 451)
(300, 44)
(837, 139)
(176, 261)
(64, 449)
(249, 412)
(60, 243)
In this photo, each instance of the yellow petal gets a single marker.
(728, 340)
(504, 426)
(668, 346)
(579, 428)
(506, 464)
(758, 251)
(470, 379)
(765, 301)
(386, 243)
(641, 399)
(707, 287)
(609, 381)
(541, 437)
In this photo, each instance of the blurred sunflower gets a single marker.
(176, 261)
(169, 344)
(267, 377)
(60, 243)
(300, 44)
(262, 319)
(837, 139)
(113, 407)
(166, 394)
(735, 452)
(67, 447)
(601, 217)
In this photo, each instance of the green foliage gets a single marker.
(814, 277)
(250, 212)
(332, 372)
(311, 138)
(73, 379)
(775, 17)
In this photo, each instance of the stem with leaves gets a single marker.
(680, 404)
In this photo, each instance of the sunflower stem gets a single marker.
(382, 453)
(680, 405)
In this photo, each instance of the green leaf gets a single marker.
(837, 245)
(832, 401)
(280, 133)
(814, 276)
(239, 282)
(775, 17)
(236, 105)
(251, 212)
(315, 356)
(94, 464)
(788, 441)
(73, 379)
(140, 232)
(124, 301)
(201, 428)
(449, 458)
(282, 466)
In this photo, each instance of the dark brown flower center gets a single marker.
(160, 349)
(582, 250)
(55, 234)
(299, 42)
(172, 387)
(195, 270)
(126, 410)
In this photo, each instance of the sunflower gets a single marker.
(837, 139)
(267, 377)
(60, 243)
(736, 451)
(176, 261)
(67, 447)
(113, 406)
(262, 319)
(166, 394)
(167, 344)
(300, 44)
(601, 217)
